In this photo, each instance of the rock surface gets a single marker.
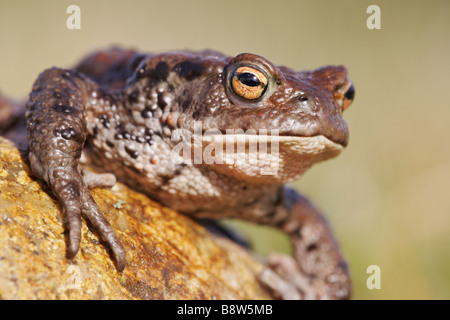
(168, 255)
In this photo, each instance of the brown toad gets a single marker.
(205, 134)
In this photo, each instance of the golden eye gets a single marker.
(349, 95)
(248, 83)
(345, 95)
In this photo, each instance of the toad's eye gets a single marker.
(345, 95)
(248, 83)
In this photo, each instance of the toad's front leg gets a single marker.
(56, 128)
(318, 270)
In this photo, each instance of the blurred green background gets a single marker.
(388, 195)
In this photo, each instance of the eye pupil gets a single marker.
(248, 82)
(249, 79)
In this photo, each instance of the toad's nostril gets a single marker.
(303, 98)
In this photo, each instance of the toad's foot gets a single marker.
(285, 281)
(72, 190)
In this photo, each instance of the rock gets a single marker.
(169, 256)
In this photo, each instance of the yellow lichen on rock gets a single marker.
(169, 256)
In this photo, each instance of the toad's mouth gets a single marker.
(265, 158)
(283, 135)
(313, 145)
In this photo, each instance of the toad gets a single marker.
(208, 135)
